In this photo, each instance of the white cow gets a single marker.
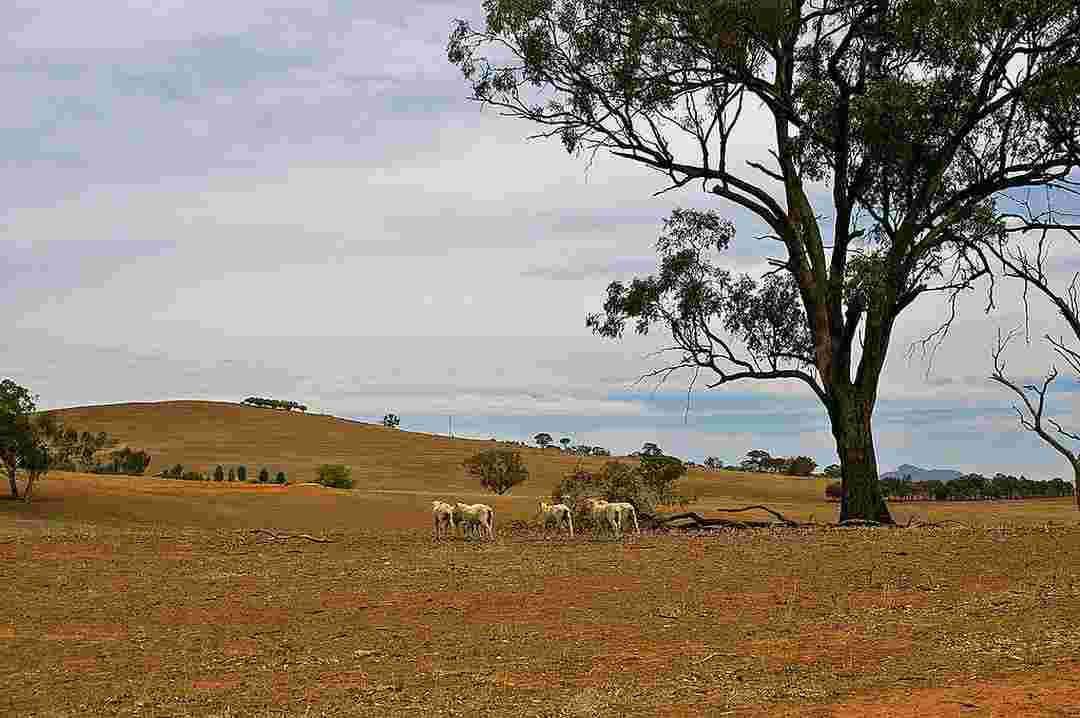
(559, 513)
(619, 513)
(606, 515)
(442, 514)
(477, 517)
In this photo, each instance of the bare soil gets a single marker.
(170, 620)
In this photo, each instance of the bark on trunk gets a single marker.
(1076, 483)
(14, 484)
(862, 497)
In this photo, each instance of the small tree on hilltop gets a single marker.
(832, 471)
(543, 439)
(264, 476)
(499, 470)
(280, 478)
(219, 473)
(651, 449)
(565, 441)
(232, 473)
(391, 421)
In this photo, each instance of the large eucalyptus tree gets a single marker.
(915, 112)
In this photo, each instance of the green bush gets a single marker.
(335, 476)
(280, 478)
(499, 470)
(264, 476)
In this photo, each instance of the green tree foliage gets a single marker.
(391, 421)
(273, 403)
(264, 476)
(219, 473)
(241, 473)
(565, 441)
(543, 439)
(801, 466)
(24, 438)
(335, 476)
(127, 461)
(280, 478)
(712, 462)
(833, 471)
(600, 451)
(499, 470)
(916, 114)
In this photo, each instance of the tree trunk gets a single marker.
(14, 484)
(1076, 483)
(862, 497)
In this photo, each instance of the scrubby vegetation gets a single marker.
(499, 470)
(648, 485)
(334, 476)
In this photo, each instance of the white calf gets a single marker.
(442, 514)
(479, 517)
(559, 513)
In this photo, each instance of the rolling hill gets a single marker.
(202, 434)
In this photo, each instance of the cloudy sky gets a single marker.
(295, 199)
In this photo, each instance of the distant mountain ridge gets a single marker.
(920, 474)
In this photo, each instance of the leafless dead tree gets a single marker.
(1032, 416)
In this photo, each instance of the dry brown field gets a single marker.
(153, 597)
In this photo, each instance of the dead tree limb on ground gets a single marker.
(777, 514)
(286, 537)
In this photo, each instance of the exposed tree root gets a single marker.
(286, 537)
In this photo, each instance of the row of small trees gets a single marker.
(234, 473)
(267, 403)
(544, 440)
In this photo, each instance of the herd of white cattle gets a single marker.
(478, 520)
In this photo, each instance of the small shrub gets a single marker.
(219, 473)
(335, 476)
(241, 473)
(280, 478)
(499, 470)
(264, 476)
(391, 421)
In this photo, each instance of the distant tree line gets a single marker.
(974, 487)
(761, 460)
(970, 487)
(544, 440)
(273, 403)
(237, 473)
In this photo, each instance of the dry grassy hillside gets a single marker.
(202, 434)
